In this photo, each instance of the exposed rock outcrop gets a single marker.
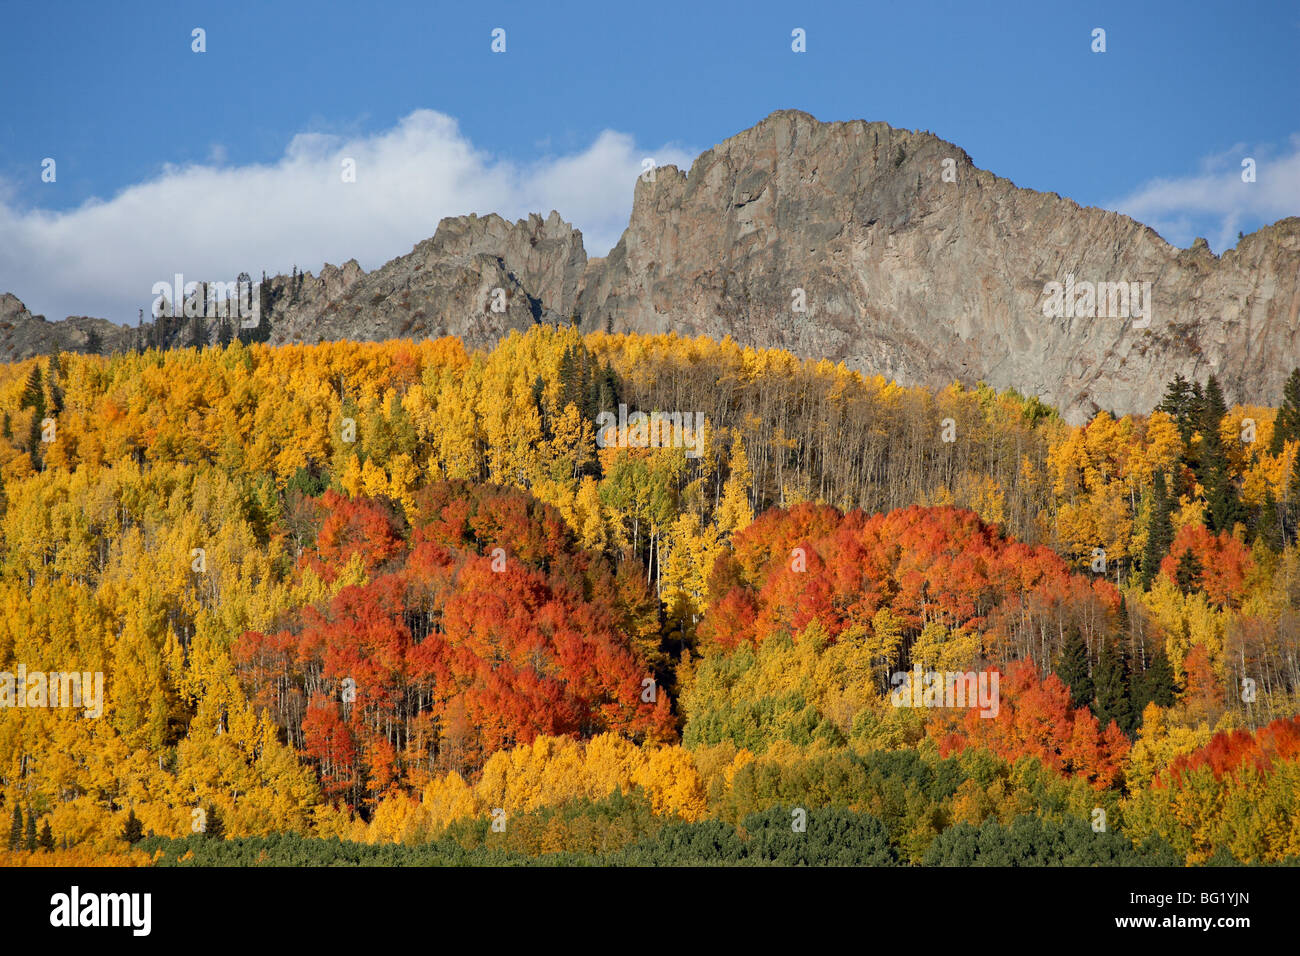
(928, 281)
(900, 271)
(444, 286)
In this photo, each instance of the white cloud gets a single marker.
(213, 221)
(1214, 202)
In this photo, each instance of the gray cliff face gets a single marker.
(23, 335)
(902, 274)
(928, 281)
(444, 286)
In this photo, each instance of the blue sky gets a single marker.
(169, 160)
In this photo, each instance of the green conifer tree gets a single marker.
(1160, 530)
(46, 839)
(132, 831)
(1157, 682)
(1287, 426)
(1111, 678)
(1188, 574)
(1073, 667)
(216, 827)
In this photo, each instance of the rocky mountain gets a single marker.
(929, 281)
(444, 286)
(882, 248)
(23, 335)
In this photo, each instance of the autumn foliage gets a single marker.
(1223, 561)
(378, 589)
(1035, 719)
(1229, 751)
(481, 627)
(926, 565)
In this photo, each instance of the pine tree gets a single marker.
(602, 394)
(46, 840)
(29, 833)
(539, 391)
(16, 831)
(1123, 626)
(1213, 469)
(1160, 530)
(1073, 667)
(1213, 405)
(570, 379)
(1178, 405)
(1113, 687)
(1287, 426)
(34, 393)
(34, 440)
(216, 829)
(1268, 528)
(583, 386)
(53, 383)
(132, 831)
(1293, 501)
(1157, 681)
(1188, 574)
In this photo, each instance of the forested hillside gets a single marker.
(400, 593)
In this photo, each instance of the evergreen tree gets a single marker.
(1160, 530)
(16, 830)
(1111, 678)
(132, 831)
(1293, 502)
(1287, 426)
(34, 440)
(1268, 526)
(1213, 468)
(583, 387)
(34, 393)
(216, 828)
(539, 391)
(1221, 494)
(1178, 404)
(46, 840)
(29, 833)
(94, 344)
(1073, 667)
(603, 393)
(1213, 405)
(53, 382)
(570, 380)
(1157, 683)
(1188, 574)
